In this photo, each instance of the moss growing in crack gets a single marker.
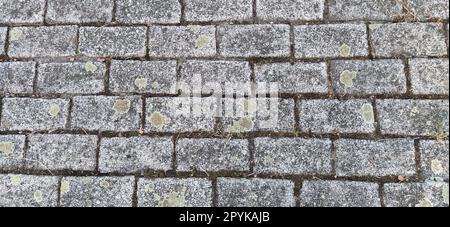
(425, 203)
(345, 50)
(347, 78)
(122, 106)
(6, 148)
(174, 199)
(54, 110)
(38, 196)
(367, 113)
(90, 67)
(141, 83)
(202, 41)
(65, 187)
(157, 120)
(437, 166)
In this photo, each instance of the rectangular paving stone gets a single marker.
(293, 156)
(300, 78)
(379, 158)
(290, 10)
(97, 191)
(339, 194)
(413, 117)
(33, 42)
(434, 159)
(174, 192)
(356, 10)
(113, 41)
(3, 32)
(62, 152)
(107, 113)
(408, 39)
(366, 77)
(429, 76)
(11, 152)
(131, 155)
(148, 11)
(17, 77)
(22, 12)
(429, 194)
(255, 193)
(331, 41)
(182, 41)
(28, 191)
(155, 77)
(71, 78)
(226, 10)
(33, 114)
(79, 11)
(334, 116)
(212, 155)
(254, 40)
(429, 9)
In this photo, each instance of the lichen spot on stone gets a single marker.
(374, 26)
(104, 184)
(141, 83)
(425, 203)
(347, 78)
(414, 111)
(150, 188)
(437, 166)
(15, 35)
(65, 186)
(122, 106)
(202, 41)
(157, 120)
(174, 199)
(367, 113)
(194, 28)
(155, 85)
(15, 180)
(445, 85)
(268, 160)
(54, 110)
(244, 124)
(445, 194)
(38, 196)
(251, 106)
(90, 67)
(6, 148)
(345, 50)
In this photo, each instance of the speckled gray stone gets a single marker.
(79, 11)
(3, 31)
(104, 113)
(356, 10)
(255, 193)
(16, 77)
(182, 41)
(416, 195)
(331, 41)
(408, 39)
(148, 11)
(113, 41)
(62, 152)
(254, 40)
(28, 191)
(130, 155)
(32, 42)
(212, 155)
(339, 194)
(375, 158)
(429, 9)
(97, 191)
(11, 152)
(22, 11)
(429, 76)
(370, 77)
(293, 156)
(413, 117)
(155, 77)
(173, 192)
(71, 78)
(434, 159)
(225, 10)
(291, 10)
(34, 114)
(330, 116)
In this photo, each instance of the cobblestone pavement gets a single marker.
(86, 105)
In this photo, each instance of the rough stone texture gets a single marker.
(254, 193)
(130, 155)
(71, 78)
(97, 191)
(254, 41)
(79, 11)
(429, 76)
(362, 77)
(155, 77)
(207, 10)
(331, 41)
(212, 155)
(113, 41)
(434, 159)
(32, 42)
(28, 191)
(16, 77)
(121, 113)
(3, 32)
(416, 195)
(293, 156)
(413, 117)
(356, 10)
(339, 194)
(34, 114)
(61, 152)
(148, 11)
(11, 151)
(173, 192)
(375, 158)
(429, 9)
(291, 10)
(331, 116)
(22, 11)
(183, 41)
(408, 39)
